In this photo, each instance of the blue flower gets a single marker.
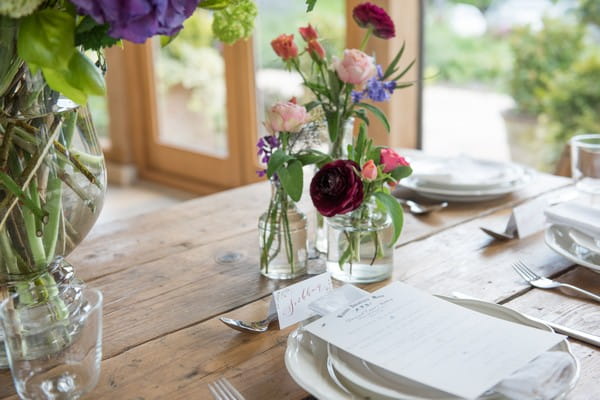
(266, 147)
(357, 96)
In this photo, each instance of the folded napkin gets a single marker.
(583, 218)
(543, 378)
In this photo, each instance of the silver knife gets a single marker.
(573, 333)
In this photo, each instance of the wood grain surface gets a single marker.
(167, 275)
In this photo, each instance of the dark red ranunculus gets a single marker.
(368, 14)
(337, 188)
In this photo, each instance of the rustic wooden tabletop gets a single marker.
(167, 276)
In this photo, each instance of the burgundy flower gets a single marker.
(337, 188)
(369, 15)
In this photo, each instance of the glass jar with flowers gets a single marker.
(282, 228)
(364, 220)
(339, 86)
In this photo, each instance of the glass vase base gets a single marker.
(360, 272)
(284, 272)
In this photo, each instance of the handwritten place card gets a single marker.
(292, 303)
(432, 341)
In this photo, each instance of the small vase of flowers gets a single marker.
(364, 220)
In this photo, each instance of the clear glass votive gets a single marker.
(585, 163)
(53, 338)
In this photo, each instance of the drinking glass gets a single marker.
(53, 340)
(585, 163)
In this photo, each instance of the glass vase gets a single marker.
(335, 150)
(52, 175)
(358, 248)
(282, 237)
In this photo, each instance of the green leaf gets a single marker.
(57, 80)
(310, 4)
(359, 147)
(375, 154)
(47, 38)
(278, 158)
(395, 210)
(362, 115)
(12, 187)
(378, 113)
(313, 157)
(401, 172)
(311, 104)
(93, 36)
(85, 76)
(214, 4)
(291, 178)
(392, 67)
(401, 74)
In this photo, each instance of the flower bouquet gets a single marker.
(364, 219)
(340, 86)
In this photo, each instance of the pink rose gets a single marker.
(286, 117)
(369, 171)
(308, 33)
(392, 160)
(356, 67)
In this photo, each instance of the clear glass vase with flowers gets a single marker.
(364, 220)
(282, 228)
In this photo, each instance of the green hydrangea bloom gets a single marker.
(18, 8)
(234, 22)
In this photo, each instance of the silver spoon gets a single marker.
(252, 327)
(420, 209)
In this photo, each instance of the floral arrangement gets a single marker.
(54, 34)
(348, 186)
(340, 85)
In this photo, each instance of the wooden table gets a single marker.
(168, 275)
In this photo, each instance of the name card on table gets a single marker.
(432, 341)
(292, 303)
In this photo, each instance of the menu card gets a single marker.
(432, 341)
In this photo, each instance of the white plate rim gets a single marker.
(550, 240)
(516, 316)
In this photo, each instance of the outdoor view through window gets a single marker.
(510, 79)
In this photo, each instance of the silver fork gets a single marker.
(544, 283)
(222, 389)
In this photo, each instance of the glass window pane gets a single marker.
(499, 75)
(191, 89)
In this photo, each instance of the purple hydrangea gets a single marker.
(138, 20)
(377, 89)
(266, 147)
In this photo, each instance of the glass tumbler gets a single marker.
(53, 340)
(585, 163)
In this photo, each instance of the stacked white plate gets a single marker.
(330, 373)
(576, 246)
(464, 179)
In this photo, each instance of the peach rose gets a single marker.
(286, 117)
(285, 47)
(316, 50)
(356, 67)
(369, 170)
(308, 33)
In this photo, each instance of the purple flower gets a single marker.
(266, 147)
(137, 20)
(357, 96)
(377, 89)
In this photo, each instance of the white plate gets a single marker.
(468, 195)
(464, 173)
(558, 239)
(306, 361)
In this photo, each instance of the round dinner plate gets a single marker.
(306, 361)
(558, 239)
(468, 195)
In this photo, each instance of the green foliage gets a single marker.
(92, 36)
(590, 11)
(394, 209)
(572, 99)
(235, 21)
(538, 57)
(310, 5)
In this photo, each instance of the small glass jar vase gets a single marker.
(282, 237)
(358, 248)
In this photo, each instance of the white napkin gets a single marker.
(541, 379)
(575, 215)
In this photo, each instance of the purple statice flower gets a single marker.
(357, 96)
(266, 147)
(138, 20)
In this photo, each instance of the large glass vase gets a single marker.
(52, 176)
